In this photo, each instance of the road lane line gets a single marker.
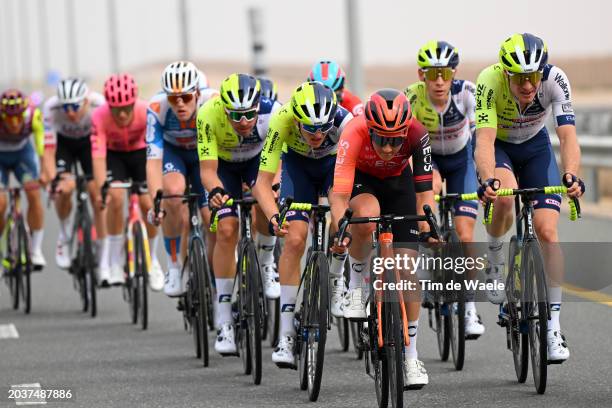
(8, 331)
(592, 295)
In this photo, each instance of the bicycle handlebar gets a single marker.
(574, 204)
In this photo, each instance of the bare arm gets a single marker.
(208, 173)
(262, 191)
(338, 202)
(569, 148)
(485, 152)
(154, 176)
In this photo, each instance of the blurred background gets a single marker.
(375, 42)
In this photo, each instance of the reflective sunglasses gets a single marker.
(186, 98)
(432, 74)
(116, 111)
(382, 141)
(316, 128)
(236, 116)
(519, 79)
(72, 107)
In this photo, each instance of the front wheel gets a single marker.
(141, 276)
(518, 335)
(394, 350)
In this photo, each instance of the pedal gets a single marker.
(180, 306)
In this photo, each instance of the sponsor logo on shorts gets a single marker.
(551, 201)
(468, 209)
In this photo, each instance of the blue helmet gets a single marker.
(328, 73)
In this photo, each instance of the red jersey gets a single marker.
(355, 150)
(351, 103)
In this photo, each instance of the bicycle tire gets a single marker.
(13, 273)
(519, 343)
(457, 314)
(394, 345)
(25, 266)
(273, 321)
(141, 275)
(319, 305)
(191, 303)
(89, 265)
(200, 267)
(241, 329)
(255, 310)
(533, 268)
(441, 330)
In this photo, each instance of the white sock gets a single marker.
(470, 306)
(411, 350)
(358, 272)
(65, 228)
(265, 248)
(224, 300)
(153, 247)
(554, 297)
(37, 238)
(336, 266)
(105, 253)
(115, 249)
(287, 300)
(495, 252)
(173, 264)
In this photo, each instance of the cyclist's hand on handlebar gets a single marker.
(575, 185)
(487, 191)
(274, 228)
(341, 247)
(155, 219)
(217, 197)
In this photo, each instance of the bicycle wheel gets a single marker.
(343, 333)
(518, 336)
(394, 347)
(378, 358)
(141, 276)
(443, 340)
(25, 266)
(355, 331)
(255, 309)
(273, 321)
(192, 302)
(199, 269)
(456, 317)
(537, 312)
(89, 265)
(12, 273)
(241, 328)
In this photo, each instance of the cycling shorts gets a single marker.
(233, 175)
(124, 166)
(186, 162)
(69, 151)
(23, 163)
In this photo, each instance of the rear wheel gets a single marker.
(394, 348)
(25, 265)
(441, 327)
(343, 333)
(241, 330)
(141, 276)
(199, 265)
(456, 316)
(356, 329)
(88, 265)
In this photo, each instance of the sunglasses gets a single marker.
(116, 111)
(432, 74)
(520, 79)
(382, 141)
(186, 98)
(316, 128)
(15, 119)
(74, 107)
(236, 116)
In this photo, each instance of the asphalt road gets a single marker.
(109, 363)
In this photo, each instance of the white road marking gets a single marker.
(8, 331)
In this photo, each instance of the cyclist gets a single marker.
(310, 126)
(373, 176)
(67, 119)
(329, 73)
(445, 106)
(268, 89)
(18, 121)
(513, 101)
(119, 154)
(172, 157)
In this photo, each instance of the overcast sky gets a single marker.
(295, 31)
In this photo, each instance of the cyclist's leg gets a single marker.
(173, 182)
(112, 257)
(294, 183)
(27, 171)
(85, 159)
(541, 170)
(64, 161)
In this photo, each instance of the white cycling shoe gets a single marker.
(494, 274)
(270, 281)
(282, 355)
(173, 283)
(225, 343)
(354, 304)
(62, 254)
(104, 277)
(338, 291)
(156, 276)
(473, 325)
(38, 259)
(116, 275)
(415, 375)
(557, 347)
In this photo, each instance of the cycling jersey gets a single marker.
(107, 134)
(218, 140)
(351, 102)
(164, 127)
(355, 151)
(57, 122)
(496, 107)
(451, 129)
(32, 125)
(284, 130)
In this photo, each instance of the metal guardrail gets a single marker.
(596, 153)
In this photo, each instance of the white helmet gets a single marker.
(71, 90)
(180, 77)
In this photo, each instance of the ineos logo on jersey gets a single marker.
(343, 147)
